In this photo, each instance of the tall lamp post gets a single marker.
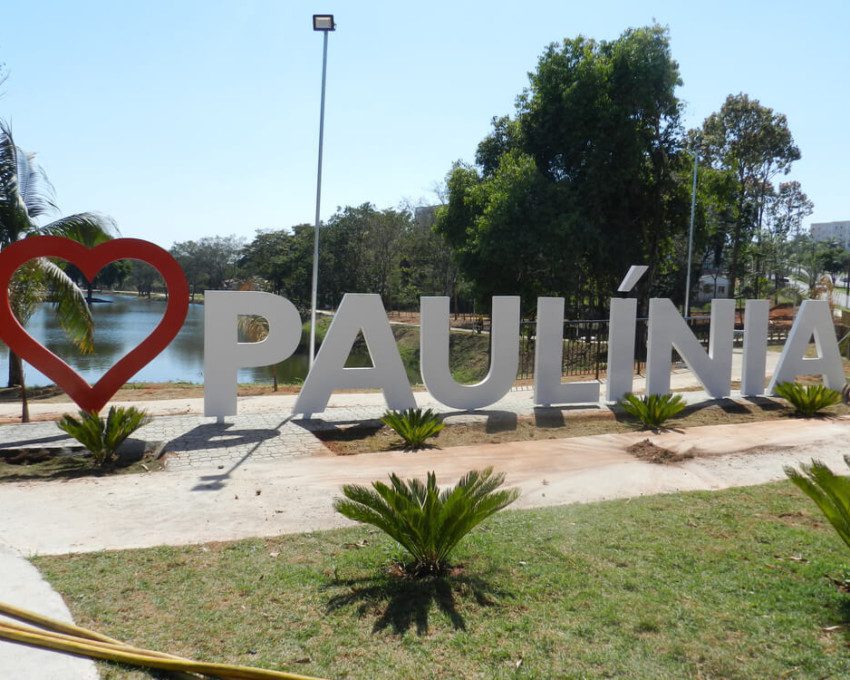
(325, 24)
(691, 233)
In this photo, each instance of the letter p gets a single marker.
(224, 355)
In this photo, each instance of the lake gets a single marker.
(121, 323)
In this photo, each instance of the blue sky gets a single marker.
(185, 118)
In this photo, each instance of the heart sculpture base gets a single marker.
(90, 261)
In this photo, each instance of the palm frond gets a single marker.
(88, 228)
(414, 425)
(103, 436)
(26, 291)
(35, 189)
(15, 220)
(807, 400)
(653, 410)
(830, 492)
(424, 521)
(23, 184)
(71, 308)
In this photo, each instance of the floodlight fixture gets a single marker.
(323, 22)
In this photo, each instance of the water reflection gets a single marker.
(122, 322)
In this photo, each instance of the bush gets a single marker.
(426, 522)
(653, 410)
(809, 399)
(414, 425)
(103, 436)
(830, 492)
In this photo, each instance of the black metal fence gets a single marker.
(586, 344)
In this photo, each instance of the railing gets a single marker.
(586, 345)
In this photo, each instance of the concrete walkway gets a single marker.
(266, 429)
(22, 586)
(265, 498)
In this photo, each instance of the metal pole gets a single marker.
(318, 206)
(691, 235)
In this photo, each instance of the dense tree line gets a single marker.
(363, 249)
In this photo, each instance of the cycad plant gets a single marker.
(830, 492)
(653, 410)
(414, 425)
(426, 522)
(807, 400)
(103, 436)
(26, 197)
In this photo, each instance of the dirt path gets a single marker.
(268, 499)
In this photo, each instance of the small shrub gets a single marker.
(807, 400)
(653, 410)
(426, 522)
(103, 436)
(414, 425)
(830, 492)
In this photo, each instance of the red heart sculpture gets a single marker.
(90, 262)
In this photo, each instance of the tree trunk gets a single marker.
(15, 370)
(25, 411)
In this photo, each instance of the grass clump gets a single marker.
(807, 400)
(653, 410)
(426, 522)
(414, 425)
(103, 436)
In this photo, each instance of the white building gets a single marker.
(711, 287)
(832, 231)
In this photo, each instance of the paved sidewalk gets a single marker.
(268, 498)
(268, 432)
(266, 429)
(21, 585)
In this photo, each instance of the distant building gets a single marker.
(425, 216)
(832, 231)
(712, 286)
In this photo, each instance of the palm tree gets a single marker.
(26, 196)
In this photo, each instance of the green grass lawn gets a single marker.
(731, 584)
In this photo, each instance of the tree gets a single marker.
(586, 178)
(282, 259)
(753, 144)
(209, 262)
(145, 278)
(25, 197)
(786, 209)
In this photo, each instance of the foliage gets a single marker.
(426, 522)
(830, 492)
(605, 581)
(414, 425)
(587, 177)
(653, 410)
(26, 198)
(750, 144)
(807, 400)
(208, 262)
(103, 436)
(394, 253)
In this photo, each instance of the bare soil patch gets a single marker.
(69, 462)
(652, 453)
(551, 424)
